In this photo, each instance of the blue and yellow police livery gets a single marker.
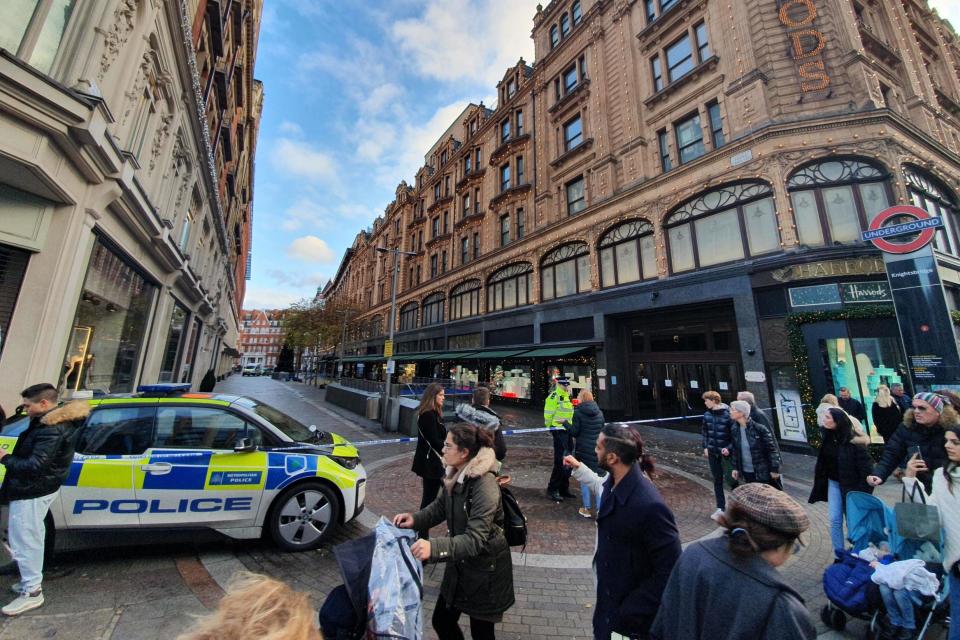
(165, 458)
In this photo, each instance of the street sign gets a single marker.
(391, 366)
(388, 350)
(923, 226)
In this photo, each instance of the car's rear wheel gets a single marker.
(304, 516)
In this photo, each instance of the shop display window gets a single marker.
(465, 377)
(511, 381)
(109, 329)
(406, 372)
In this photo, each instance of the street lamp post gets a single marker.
(393, 320)
(343, 344)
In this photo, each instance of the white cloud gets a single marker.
(380, 97)
(291, 128)
(303, 161)
(310, 249)
(297, 280)
(305, 212)
(456, 40)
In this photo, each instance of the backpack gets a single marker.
(514, 522)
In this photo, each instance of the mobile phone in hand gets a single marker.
(914, 450)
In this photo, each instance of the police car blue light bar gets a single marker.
(166, 387)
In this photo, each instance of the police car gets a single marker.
(166, 458)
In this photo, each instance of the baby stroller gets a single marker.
(847, 583)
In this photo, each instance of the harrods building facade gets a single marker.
(127, 137)
(669, 200)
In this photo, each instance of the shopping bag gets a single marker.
(727, 462)
(395, 587)
(917, 520)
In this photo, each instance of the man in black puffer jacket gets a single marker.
(716, 442)
(923, 427)
(35, 469)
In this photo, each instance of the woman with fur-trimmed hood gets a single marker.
(478, 579)
(923, 427)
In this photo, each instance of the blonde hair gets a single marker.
(585, 395)
(258, 608)
(884, 399)
(830, 399)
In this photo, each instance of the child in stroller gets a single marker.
(850, 586)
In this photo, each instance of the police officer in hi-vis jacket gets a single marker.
(558, 412)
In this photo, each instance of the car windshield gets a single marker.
(294, 429)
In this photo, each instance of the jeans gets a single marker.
(835, 508)
(587, 496)
(26, 534)
(899, 607)
(716, 470)
(954, 633)
(560, 476)
(446, 624)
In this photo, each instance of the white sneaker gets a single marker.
(716, 515)
(25, 602)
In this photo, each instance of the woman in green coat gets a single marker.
(478, 580)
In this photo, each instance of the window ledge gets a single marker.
(506, 195)
(416, 221)
(664, 21)
(470, 178)
(581, 88)
(438, 239)
(580, 148)
(464, 221)
(445, 200)
(707, 65)
(506, 148)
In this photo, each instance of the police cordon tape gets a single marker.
(386, 441)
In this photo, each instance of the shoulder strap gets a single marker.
(405, 552)
(429, 446)
(914, 490)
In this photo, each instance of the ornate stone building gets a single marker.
(655, 203)
(129, 130)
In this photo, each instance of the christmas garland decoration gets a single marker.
(798, 350)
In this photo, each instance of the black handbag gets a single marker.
(514, 522)
(917, 520)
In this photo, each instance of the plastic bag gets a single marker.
(395, 587)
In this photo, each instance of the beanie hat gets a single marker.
(931, 399)
(771, 507)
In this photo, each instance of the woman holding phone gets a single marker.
(946, 496)
(923, 427)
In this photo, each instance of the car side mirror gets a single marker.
(244, 445)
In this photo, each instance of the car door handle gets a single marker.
(157, 468)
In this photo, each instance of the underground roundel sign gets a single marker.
(922, 227)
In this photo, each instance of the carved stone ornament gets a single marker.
(117, 35)
(160, 138)
(132, 96)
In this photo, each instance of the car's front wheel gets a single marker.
(304, 516)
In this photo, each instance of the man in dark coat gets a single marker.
(479, 414)
(208, 383)
(758, 416)
(637, 538)
(923, 427)
(903, 398)
(851, 405)
(716, 443)
(35, 469)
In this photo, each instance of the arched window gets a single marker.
(509, 287)
(433, 309)
(723, 225)
(408, 316)
(627, 253)
(935, 198)
(465, 300)
(833, 200)
(376, 326)
(565, 271)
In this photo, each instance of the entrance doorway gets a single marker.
(676, 357)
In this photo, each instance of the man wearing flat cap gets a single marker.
(558, 413)
(743, 594)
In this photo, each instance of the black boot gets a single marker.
(554, 495)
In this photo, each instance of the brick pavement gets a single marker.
(551, 603)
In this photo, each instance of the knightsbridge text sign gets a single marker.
(806, 43)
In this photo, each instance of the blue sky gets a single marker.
(356, 92)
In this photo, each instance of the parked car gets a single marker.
(267, 371)
(164, 458)
(252, 370)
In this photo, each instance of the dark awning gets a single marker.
(367, 358)
(553, 352)
(411, 357)
(231, 352)
(450, 355)
(499, 355)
